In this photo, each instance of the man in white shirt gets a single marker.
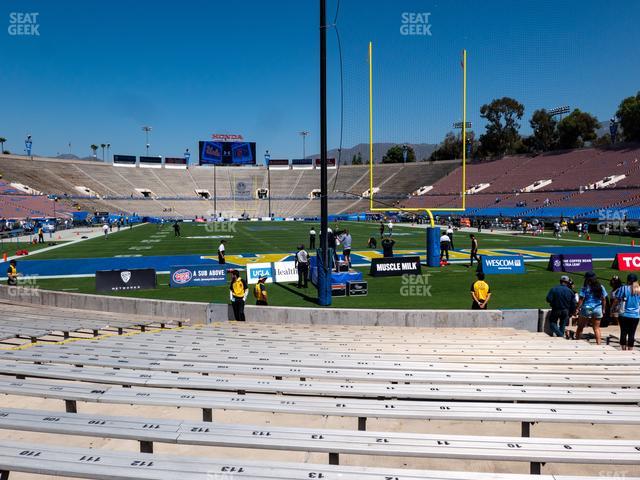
(221, 255)
(105, 230)
(302, 264)
(390, 227)
(445, 243)
(450, 235)
(312, 238)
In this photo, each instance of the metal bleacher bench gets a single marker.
(362, 409)
(535, 451)
(414, 391)
(116, 465)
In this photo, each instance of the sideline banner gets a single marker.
(507, 264)
(197, 276)
(257, 270)
(627, 262)
(395, 266)
(570, 263)
(285, 272)
(125, 280)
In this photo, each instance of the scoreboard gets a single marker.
(227, 153)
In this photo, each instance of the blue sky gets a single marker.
(98, 71)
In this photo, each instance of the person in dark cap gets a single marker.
(563, 305)
(12, 273)
(260, 291)
(627, 300)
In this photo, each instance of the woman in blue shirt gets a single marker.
(628, 299)
(593, 297)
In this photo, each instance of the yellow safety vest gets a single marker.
(237, 288)
(260, 292)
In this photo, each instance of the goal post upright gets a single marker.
(429, 211)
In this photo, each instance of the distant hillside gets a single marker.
(71, 156)
(422, 150)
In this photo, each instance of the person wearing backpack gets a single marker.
(627, 301)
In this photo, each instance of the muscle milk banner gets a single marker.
(387, 267)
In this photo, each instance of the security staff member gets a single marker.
(480, 293)
(387, 247)
(221, 255)
(302, 264)
(12, 273)
(260, 291)
(238, 295)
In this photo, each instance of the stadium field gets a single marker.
(446, 287)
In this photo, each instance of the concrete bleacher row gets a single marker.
(23, 322)
(175, 190)
(232, 367)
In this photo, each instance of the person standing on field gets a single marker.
(480, 293)
(238, 295)
(473, 254)
(222, 259)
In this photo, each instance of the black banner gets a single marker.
(387, 267)
(125, 280)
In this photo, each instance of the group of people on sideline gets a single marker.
(594, 307)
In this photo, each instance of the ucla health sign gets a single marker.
(197, 276)
(492, 265)
(255, 271)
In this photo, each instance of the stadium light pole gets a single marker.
(324, 276)
(267, 158)
(304, 134)
(146, 129)
(108, 151)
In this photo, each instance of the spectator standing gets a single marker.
(302, 265)
(260, 291)
(450, 235)
(222, 259)
(612, 312)
(445, 243)
(474, 250)
(387, 247)
(345, 240)
(238, 295)
(628, 299)
(563, 304)
(591, 304)
(312, 238)
(480, 293)
(12, 273)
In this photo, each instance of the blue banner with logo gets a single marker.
(197, 276)
(492, 265)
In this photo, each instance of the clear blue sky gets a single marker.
(101, 69)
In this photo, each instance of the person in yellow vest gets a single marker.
(238, 295)
(260, 291)
(12, 273)
(480, 293)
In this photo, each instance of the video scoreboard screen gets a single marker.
(154, 160)
(175, 161)
(227, 153)
(126, 159)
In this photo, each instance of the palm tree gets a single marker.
(103, 145)
(94, 149)
(2, 140)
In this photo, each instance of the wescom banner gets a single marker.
(492, 265)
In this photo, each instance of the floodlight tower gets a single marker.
(146, 129)
(304, 134)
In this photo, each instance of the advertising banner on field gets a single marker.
(627, 261)
(197, 276)
(570, 263)
(285, 272)
(125, 280)
(395, 266)
(255, 271)
(507, 264)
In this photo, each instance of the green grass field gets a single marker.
(447, 287)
